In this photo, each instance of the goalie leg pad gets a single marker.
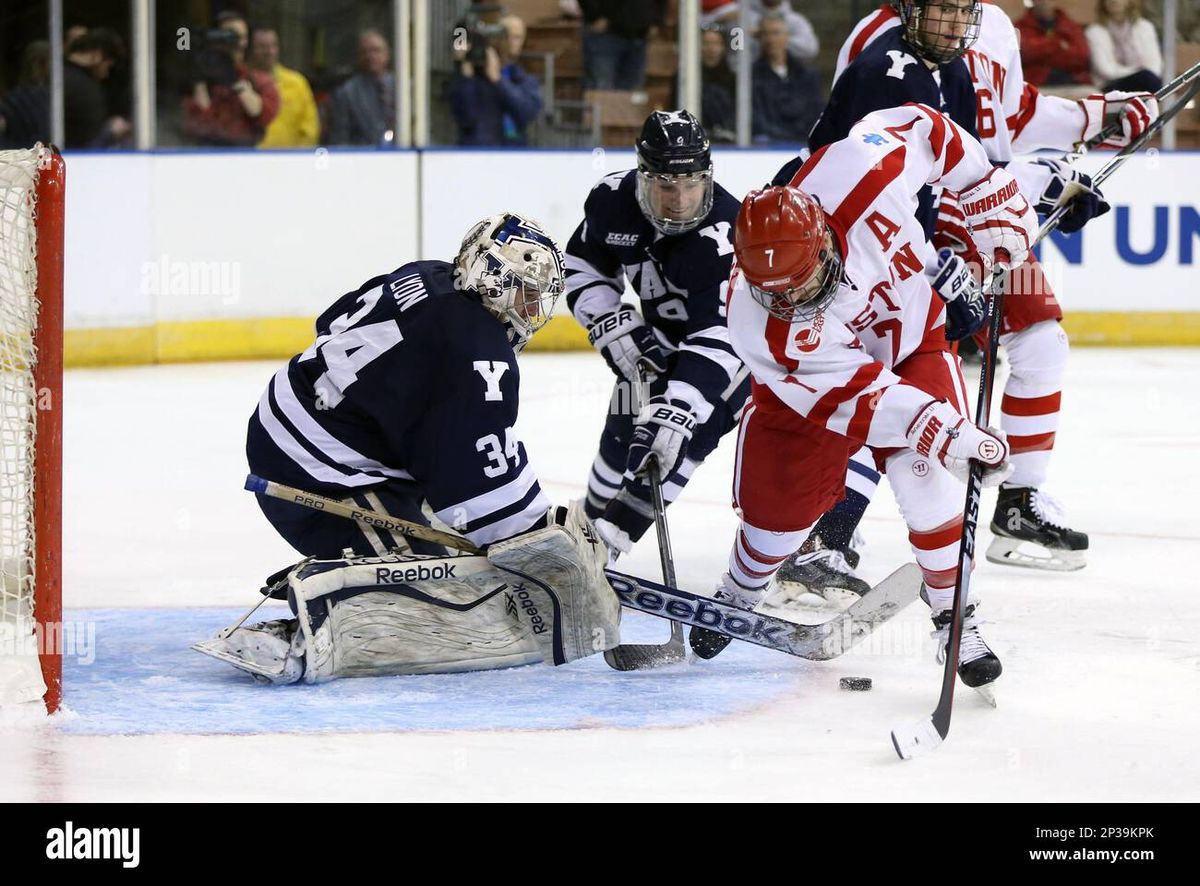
(563, 593)
(377, 616)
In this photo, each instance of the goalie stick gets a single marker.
(926, 735)
(819, 642)
(816, 642)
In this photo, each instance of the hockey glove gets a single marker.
(1002, 222)
(938, 432)
(966, 308)
(1073, 188)
(661, 431)
(1135, 110)
(624, 340)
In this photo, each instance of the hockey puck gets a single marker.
(855, 684)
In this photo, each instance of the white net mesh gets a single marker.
(20, 674)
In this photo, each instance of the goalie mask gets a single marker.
(515, 268)
(674, 179)
(787, 253)
(940, 30)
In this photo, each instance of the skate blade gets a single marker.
(1029, 555)
(793, 597)
(988, 692)
(218, 649)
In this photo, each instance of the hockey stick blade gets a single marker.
(645, 657)
(819, 642)
(917, 739)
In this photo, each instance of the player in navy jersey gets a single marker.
(920, 62)
(409, 395)
(665, 229)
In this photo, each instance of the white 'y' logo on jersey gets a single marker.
(900, 61)
(491, 372)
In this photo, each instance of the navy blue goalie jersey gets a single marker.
(887, 74)
(409, 381)
(680, 280)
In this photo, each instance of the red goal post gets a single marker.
(32, 202)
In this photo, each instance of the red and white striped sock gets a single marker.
(758, 553)
(936, 551)
(1029, 412)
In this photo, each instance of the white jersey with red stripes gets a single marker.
(835, 368)
(1005, 101)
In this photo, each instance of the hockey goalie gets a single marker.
(408, 397)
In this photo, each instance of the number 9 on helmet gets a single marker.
(787, 253)
(515, 268)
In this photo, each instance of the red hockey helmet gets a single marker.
(786, 252)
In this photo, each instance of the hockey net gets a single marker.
(31, 251)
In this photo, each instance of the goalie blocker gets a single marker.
(541, 596)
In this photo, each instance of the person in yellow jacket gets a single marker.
(296, 125)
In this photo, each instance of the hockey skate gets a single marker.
(270, 651)
(708, 644)
(818, 576)
(978, 666)
(1029, 531)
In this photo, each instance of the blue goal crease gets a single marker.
(131, 672)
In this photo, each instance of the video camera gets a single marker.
(215, 48)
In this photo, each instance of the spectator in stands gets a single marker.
(786, 95)
(362, 110)
(25, 111)
(718, 86)
(495, 102)
(72, 33)
(802, 39)
(1054, 51)
(719, 12)
(231, 105)
(89, 63)
(296, 125)
(615, 33)
(1124, 45)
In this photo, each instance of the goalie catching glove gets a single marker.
(938, 432)
(1071, 188)
(661, 431)
(625, 341)
(952, 280)
(1003, 224)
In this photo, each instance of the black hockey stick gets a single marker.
(1124, 154)
(927, 734)
(1114, 129)
(642, 656)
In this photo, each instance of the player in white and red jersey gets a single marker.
(836, 304)
(1011, 117)
(1033, 120)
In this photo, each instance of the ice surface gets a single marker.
(162, 547)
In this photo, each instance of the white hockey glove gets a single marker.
(624, 340)
(1069, 186)
(952, 280)
(938, 432)
(1135, 110)
(661, 430)
(1003, 224)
